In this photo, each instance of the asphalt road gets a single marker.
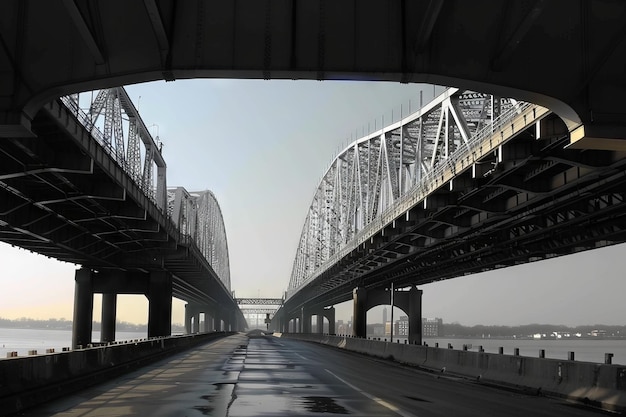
(267, 376)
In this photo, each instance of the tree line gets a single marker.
(479, 331)
(64, 324)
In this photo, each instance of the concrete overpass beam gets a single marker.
(83, 308)
(598, 136)
(15, 125)
(160, 304)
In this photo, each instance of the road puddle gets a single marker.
(323, 405)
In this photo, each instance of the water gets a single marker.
(585, 350)
(24, 340)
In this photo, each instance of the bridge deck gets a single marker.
(241, 376)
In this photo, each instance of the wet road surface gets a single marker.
(266, 376)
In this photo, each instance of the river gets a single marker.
(587, 350)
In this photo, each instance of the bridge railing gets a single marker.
(188, 238)
(483, 141)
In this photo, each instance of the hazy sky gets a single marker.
(262, 148)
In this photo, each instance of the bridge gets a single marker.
(85, 191)
(473, 182)
(255, 308)
(469, 183)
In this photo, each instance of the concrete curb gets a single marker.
(600, 385)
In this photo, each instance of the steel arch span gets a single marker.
(378, 171)
(198, 217)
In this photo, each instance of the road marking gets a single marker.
(301, 356)
(374, 398)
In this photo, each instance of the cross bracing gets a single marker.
(259, 301)
(114, 121)
(384, 169)
(199, 217)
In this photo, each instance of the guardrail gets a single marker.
(599, 385)
(32, 380)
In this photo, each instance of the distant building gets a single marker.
(432, 327)
(402, 326)
(384, 315)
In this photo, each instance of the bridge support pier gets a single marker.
(217, 322)
(305, 323)
(408, 301)
(330, 315)
(160, 304)
(359, 316)
(83, 308)
(109, 313)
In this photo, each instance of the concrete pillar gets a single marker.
(160, 304)
(188, 315)
(306, 317)
(83, 308)
(330, 315)
(109, 312)
(415, 316)
(320, 324)
(208, 320)
(217, 322)
(359, 315)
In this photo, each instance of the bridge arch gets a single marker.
(199, 218)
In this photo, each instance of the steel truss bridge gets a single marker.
(252, 308)
(91, 190)
(469, 183)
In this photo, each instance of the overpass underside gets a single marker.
(527, 197)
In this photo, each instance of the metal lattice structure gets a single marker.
(377, 172)
(199, 217)
(115, 123)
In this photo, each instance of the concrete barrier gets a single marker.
(32, 380)
(600, 385)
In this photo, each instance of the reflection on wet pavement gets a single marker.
(276, 381)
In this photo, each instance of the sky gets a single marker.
(262, 147)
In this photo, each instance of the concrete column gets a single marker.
(109, 312)
(160, 304)
(330, 315)
(208, 320)
(359, 316)
(415, 316)
(217, 322)
(83, 308)
(320, 324)
(188, 315)
(306, 321)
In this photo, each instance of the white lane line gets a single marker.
(301, 356)
(374, 398)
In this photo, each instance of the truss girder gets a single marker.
(482, 223)
(373, 173)
(259, 301)
(114, 121)
(198, 216)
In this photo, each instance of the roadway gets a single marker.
(267, 376)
